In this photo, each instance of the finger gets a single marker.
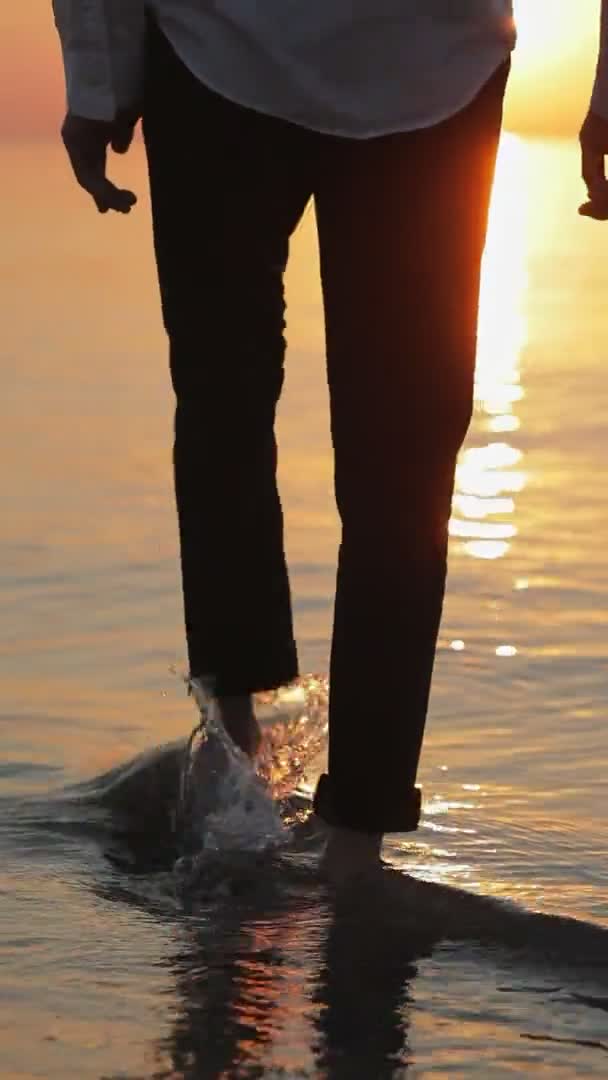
(109, 197)
(91, 176)
(89, 166)
(593, 168)
(597, 210)
(123, 138)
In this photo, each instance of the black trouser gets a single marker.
(401, 222)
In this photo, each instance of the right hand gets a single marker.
(594, 148)
(87, 142)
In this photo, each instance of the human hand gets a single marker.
(87, 143)
(594, 147)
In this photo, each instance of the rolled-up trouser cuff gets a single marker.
(248, 680)
(366, 815)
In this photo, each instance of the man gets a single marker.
(388, 115)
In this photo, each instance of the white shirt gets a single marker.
(357, 68)
(349, 67)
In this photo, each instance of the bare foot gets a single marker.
(238, 717)
(349, 854)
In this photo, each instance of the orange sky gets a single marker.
(549, 88)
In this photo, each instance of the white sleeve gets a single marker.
(599, 98)
(103, 46)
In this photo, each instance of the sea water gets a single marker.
(483, 952)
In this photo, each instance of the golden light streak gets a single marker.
(488, 475)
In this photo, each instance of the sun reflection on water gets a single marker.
(490, 475)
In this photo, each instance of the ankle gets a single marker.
(238, 717)
(353, 842)
(349, 853)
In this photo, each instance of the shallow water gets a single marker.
(107, 970)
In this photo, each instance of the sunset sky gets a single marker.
(549, 89)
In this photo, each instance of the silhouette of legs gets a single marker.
(401, 223)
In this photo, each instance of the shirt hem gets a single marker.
(397, 127)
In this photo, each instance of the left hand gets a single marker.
(87, 143)
(594, 148)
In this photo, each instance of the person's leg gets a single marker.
(402, 224)
(228, 188)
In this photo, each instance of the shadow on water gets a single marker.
(259, 938)
(268, 941)
(239, 969)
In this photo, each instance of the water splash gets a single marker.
(231, 806)
(295, 725)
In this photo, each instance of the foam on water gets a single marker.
(234, 829)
